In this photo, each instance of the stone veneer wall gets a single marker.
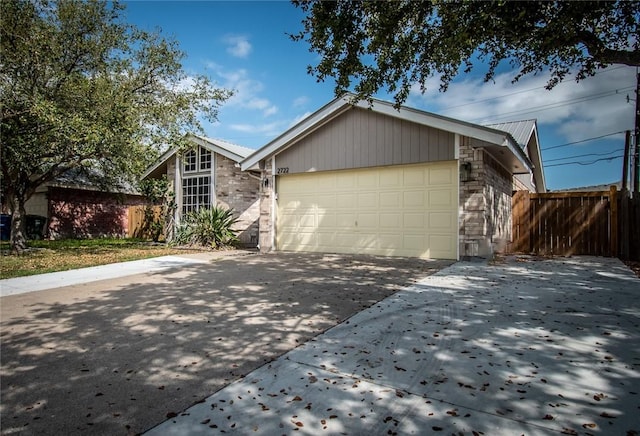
(238, 190)
(265, 239)
(485, 204)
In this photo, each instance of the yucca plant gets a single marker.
(207, 227)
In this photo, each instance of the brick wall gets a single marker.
(239, 190)
(76, 213)
(485, 203)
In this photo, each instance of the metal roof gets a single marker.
(233, 148)
(520, 130)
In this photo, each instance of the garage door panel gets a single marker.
(408, 210)
(390, 199)
(367, 180)
(414, 177)
(440, 220)
(414, 241)
(441, 197)
(390, 178)
(368, 200)
(390, 220)
(307, 222)
(367, 220)
(345, 220)
(414, 199)
(346, 201)
(415, 220)
(441, 176)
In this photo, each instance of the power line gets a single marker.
(584, 163)
(519, 92)
(581, 141)
(583, 155)
(560, 104)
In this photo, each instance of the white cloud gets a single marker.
(246, 90)
(575, 110)
(253, 128)
(237, 45)
(301, 101)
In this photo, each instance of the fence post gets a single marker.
(613, 202)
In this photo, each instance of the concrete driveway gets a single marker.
(524, 346)
(121, 355)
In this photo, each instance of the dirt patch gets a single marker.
(120, 356)
(634, 266)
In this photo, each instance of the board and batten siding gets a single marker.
(360, 138)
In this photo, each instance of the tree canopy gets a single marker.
(393, 45)
(80, 88)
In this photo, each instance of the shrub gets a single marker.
(207, 227)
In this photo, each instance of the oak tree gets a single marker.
(367, 46)
(82, 89)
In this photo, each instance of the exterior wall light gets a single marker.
(465, 171)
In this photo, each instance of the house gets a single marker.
(209, 174)
(74, 206)
(368, 178)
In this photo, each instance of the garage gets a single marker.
(366, 177)
(402, 210)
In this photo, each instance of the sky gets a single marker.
(244, 46)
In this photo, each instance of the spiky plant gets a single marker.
(207, 227)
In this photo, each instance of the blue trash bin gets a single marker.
(5, 227)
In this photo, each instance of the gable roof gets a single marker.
(524, 132)
(491, 136)
(227, 149)
(520, 130)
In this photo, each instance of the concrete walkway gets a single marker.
(524, 346)
(41, 282)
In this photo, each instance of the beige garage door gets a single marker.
(409, 210)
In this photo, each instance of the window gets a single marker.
(205, 159)
(196, 182)
(196, 193)
(190, 161)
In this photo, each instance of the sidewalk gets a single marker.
(528, 346)
(40, 282)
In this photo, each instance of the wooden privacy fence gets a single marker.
(136, 224)
(566, 223)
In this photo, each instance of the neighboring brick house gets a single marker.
(209, 174)
(368, 178)
(75, 207)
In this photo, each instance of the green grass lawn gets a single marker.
(51, 256)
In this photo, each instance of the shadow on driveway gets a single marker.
(119, 356)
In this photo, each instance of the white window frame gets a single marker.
(199, 159)
(195, 192)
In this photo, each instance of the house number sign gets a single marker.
(282, 170)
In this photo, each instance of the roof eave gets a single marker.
(211, 146)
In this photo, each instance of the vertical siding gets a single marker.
(360, 138)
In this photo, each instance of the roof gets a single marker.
(520, 130)
(340, 105)
(221, 146)
(90, 179)
(232, 151)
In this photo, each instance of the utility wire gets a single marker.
(560, 104)
(581, 141)
(583, 155)
(520, 92)
(584, 163)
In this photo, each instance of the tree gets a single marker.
(81, 89)
(396, 44)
